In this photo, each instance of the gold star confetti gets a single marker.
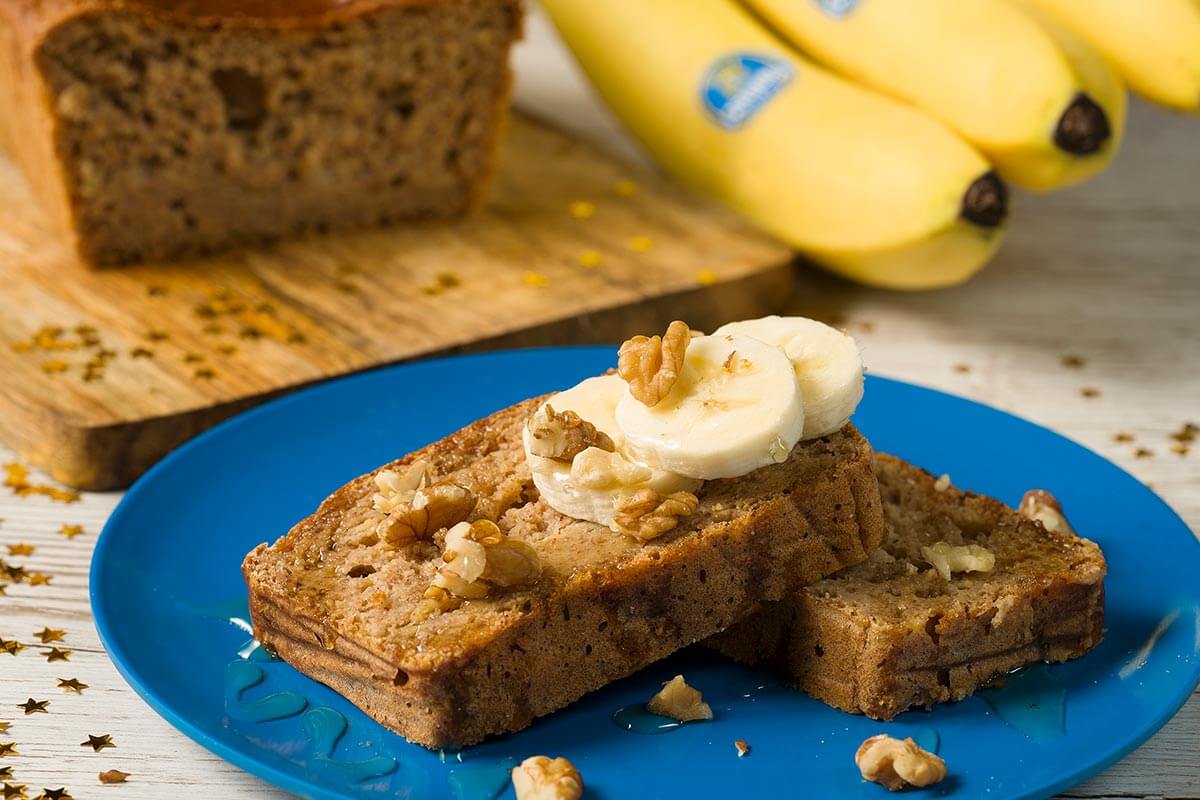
(21, 549)
(591, 258)
(54, 367)
(1123, 438)
(40, 579)
(1072, 361)
(72, 685)
(11, 646)
(641, 244)
(1143, 452)
(17, 479)
(113, 776)
(57, 654)
(48, 635)
(706, 277)
(54, 794)
(12, 572)
(1090, 392)
(98, 743)
(70, 531)
(534, 279)
(961, 369)
(8, 749)
(625, 188)
(14, 790)
(741, 747)
(32, 706)
(582, 209)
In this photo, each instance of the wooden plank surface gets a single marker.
(1108, 272)
(107, 370)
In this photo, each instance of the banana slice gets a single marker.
(828, 366)
(735, 407)
(587, 487)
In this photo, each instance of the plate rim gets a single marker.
(292, 783)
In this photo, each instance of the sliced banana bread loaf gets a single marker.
(344, 606)
(153, 128)
(892, 633)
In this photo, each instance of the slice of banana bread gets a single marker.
(891, 633)
(343, 607)
(154, 128)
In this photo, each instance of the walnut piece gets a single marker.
(679, 701)
(646, 514)
(743, 749)
(396, 487)
(430, 509)
(942, 483)
(544, 778)
(562, 436)
(1040, 505)
(478, 557)
(898, 763)
(949, 558)
(651, 365)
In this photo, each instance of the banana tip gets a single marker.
(1083, 127)
(985, 203)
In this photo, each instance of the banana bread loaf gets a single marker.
(892, 633)
(342, 606)
(154, 128)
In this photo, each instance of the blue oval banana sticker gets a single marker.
(738, 85)
(837, 8)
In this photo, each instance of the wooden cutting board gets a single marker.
(106, 371)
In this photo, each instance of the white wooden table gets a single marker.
(1108, 273)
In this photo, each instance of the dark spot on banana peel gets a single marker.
(1083, 128)
(985, 203)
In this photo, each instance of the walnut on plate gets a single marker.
(430, 509)
(646, 514)
(897, 763)
(651, 364)
(545, 778)
(679, 701)
(562, 436)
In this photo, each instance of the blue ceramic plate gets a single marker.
(169, 603)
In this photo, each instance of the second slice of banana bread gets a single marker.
(340, 605)
(891, 633)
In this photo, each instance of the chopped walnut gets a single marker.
(429, 510)
(651, 365)
(679, 701)
(477, 558)
(544, 778)
(396, 488)
(743, 749)
(646, 514)
(949, 558)
(897, 763)
(942, 483)
(562, 436)
(1040, 505)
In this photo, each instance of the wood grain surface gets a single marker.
(105, 371)
(1097, 288)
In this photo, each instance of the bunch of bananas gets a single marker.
(876, 136)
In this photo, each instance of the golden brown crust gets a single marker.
(881, 638)
(605, 606)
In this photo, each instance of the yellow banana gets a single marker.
(860, 183)
(1154, 44)
(1047, 113)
